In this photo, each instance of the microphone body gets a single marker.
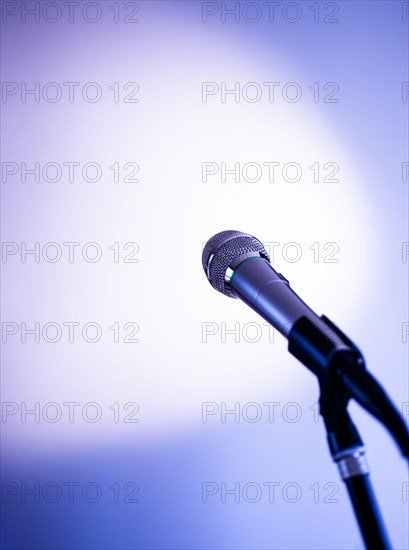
(267, 292)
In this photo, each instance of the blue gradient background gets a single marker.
(170, 212)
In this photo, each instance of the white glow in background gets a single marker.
(170, 213)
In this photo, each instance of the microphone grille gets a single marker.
(221, 250)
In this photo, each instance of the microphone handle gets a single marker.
(269, 294)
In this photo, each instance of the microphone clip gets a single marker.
(340, 368)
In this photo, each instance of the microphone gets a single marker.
(237, 265)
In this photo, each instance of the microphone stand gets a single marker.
(342, 375)
(347, 450)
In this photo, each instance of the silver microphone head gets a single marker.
(222, 253)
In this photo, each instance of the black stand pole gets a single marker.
(341, 372)
(348, 452)
(367, 513)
